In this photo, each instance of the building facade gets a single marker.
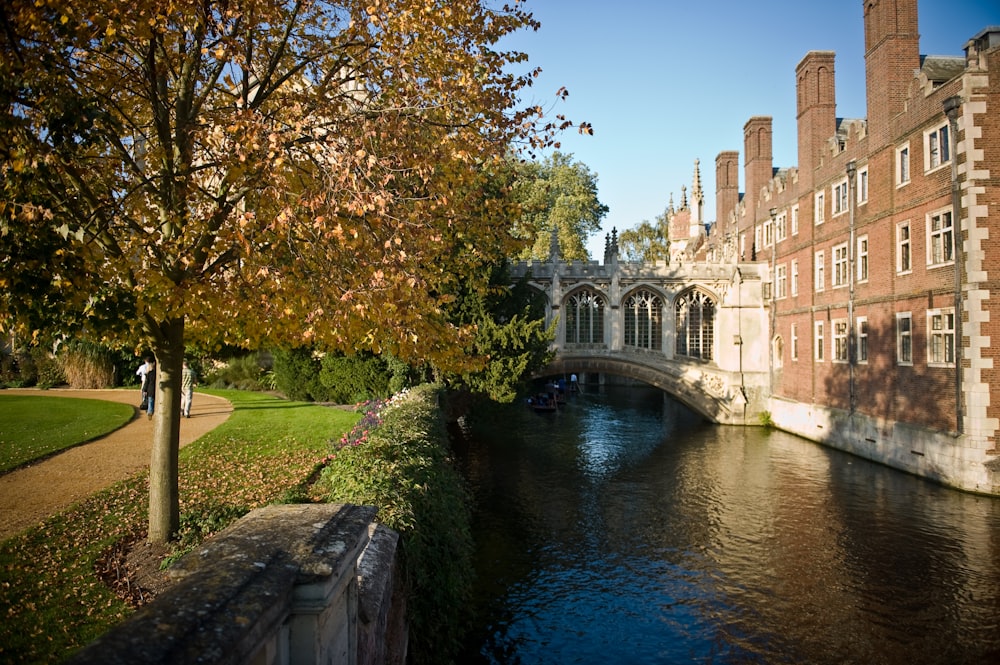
(882, 249)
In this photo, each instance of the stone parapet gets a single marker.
(288, 584)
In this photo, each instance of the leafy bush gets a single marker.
(239, 373)
(353, 379)
(296, 374)
(397, 458)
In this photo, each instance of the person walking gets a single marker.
(189, 379)
(149, 386)
(141, 373)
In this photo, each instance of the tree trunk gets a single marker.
(164, 498)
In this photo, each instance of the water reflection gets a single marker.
(621, 530)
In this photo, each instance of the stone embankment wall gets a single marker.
(285, 585)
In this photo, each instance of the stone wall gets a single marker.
(314, 583)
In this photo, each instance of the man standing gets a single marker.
(189, 379)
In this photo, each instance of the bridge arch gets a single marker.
(703, 390)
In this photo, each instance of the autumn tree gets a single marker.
(646, 242)
(298, 171)
(557, 194)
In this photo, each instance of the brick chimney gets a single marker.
(892, 54)
(817, 111)
(759, 163)
(727, 187)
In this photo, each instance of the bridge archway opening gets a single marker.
(694, 396)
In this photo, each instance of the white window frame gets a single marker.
(839, 265)
(904, 338)
(941, 337)
(768, 233)
(840, 340)
(795, 278)
(840, 198)
(795, 220)
(940, 240)
(819, 271)
(862, 185)
(937, 148)
(904, 248)
(819, 340)
(780, 282)
(861, 337)
(795, 341)
(903, 173)
(781, 227)
(819, 213)
(861, 258)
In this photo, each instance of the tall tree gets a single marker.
(285, 170)
(646, 242)
(557, 194)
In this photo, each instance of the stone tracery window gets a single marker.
(644, 320)
(584, 312)
(695, 321)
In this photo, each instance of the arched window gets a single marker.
(778, 346)
(585, 318)
(695, 318)
(644, 320)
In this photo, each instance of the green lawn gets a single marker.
(52, 601)
(33, 427)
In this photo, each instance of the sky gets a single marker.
(666, 82)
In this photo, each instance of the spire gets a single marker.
(554, 246)
(684, 197)
(697, 196)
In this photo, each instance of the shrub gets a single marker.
(239, 373)
(87, 365)
(398, 460)
(296, 374)
(352, 379)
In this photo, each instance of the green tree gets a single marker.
(261, 170)
(646, 242)
(510, 336)
(558, 194)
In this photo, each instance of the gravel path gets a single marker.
(33, 493)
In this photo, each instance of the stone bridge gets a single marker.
(697, 331)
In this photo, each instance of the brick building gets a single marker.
(883, 250)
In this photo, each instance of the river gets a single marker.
(621, 529)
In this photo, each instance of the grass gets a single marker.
(52, 601)
(34, 427)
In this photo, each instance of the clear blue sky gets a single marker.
(665, 82)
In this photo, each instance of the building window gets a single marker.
(780, 227)
(937, 148)
(820, 271)
(585, 318)
(840, 341)
(840, 265)
(743, 246)
(862, 258)
(768, 233)
(904, 338)
(939, 238)
(643, 320)
(818, 340)
(941, 334)
(840, 198)
(862, 323)
(795, 277)
(780, 281)
(862, 185)
(695, 322)
(903, 263)
(820, 208)
(903, 165)
(795, 341)
(778, 349)
(795, 220)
